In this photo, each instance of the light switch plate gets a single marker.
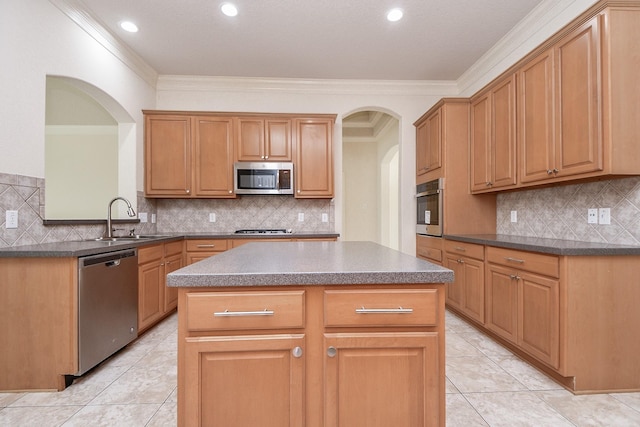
(301, 216)
(514, 216)
(212, 217)
(12, 219)
(604, 216)
(325, 217)
(142, 216)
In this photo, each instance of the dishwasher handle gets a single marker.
(110, 259)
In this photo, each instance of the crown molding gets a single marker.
(541, 23)
(308, 86)
(77, 12)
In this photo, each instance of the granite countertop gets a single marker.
(309, 263)
(548, 246)
(77, 248)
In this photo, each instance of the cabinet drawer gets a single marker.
(381, 308)
(244, 310)
(429, 247)
(548, 265)
(207, 245)
(173, 248)
(470, 250)
(150, 253)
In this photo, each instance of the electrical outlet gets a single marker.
(514, 216)
(325, 217)
(142, 216)
(592, 216)
(301, 217)
(604, 216)
(212, 217)
(12, 219)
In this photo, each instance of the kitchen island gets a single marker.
(313, 334)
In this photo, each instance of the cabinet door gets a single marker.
(429, 144)
(150, 293)
(578, 119)
(170, 294)
(503, 130)
(481, 144)
(245, 381)
(502, 302)
(454, 289)
(538, 318)
(167, 155)
(382, 379)
(535, 106)
(277, 144)
(213, 157)
(314, 158)
(250, 140)
(473, 289)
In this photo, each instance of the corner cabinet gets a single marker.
(313, 168)
(314, 361)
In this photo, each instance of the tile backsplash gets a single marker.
(561, 212)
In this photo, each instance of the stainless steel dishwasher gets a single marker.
(107, 305)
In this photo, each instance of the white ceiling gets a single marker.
(312, 39)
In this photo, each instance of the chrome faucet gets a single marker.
(130, 212)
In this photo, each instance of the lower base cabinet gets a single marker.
(315, 361)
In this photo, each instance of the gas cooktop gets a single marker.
(265, 231)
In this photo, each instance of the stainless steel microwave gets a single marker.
(263, 177)
(429, 207)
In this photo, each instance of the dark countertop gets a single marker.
(308, 263)
(77, 248)
(548, 246)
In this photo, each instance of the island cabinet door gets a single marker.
(255, 380)
(382, 379)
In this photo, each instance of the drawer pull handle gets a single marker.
(460, 248)
(519, 261)
(206, 246)
(228, 313)
(363, 310)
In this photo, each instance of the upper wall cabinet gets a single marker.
(493, 137)
(188, 156)
(191, 155)
(429, 144)
(578, 103)
(263, 140)
(313, 167)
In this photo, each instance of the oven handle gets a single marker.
(428, 193)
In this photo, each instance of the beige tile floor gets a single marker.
(486, 386)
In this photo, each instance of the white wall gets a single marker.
(36, 40)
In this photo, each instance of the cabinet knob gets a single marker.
(555, 171)
(460, 261)
(187, 191)
(297, 352)
(332, 351)
(230, 191)
(489, 184)
(549, 172)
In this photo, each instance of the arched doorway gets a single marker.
(370, 178)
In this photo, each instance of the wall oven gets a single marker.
(429, 207)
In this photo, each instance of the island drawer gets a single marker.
(549, 265)
(470, 250)
(207, 245)
(381, 307)
(208, 311)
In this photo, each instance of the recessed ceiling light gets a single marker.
(229, 9)
(395, 14)
(129, 26)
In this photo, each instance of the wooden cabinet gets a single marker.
(260, 139)
(560, 119)
(522, 305)
(314, 356)
(429, 248)
(155, 299)
(493, 137)
(313, 168)
(199, 249)
(467, 292)
(188, 156)
(429, 143)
